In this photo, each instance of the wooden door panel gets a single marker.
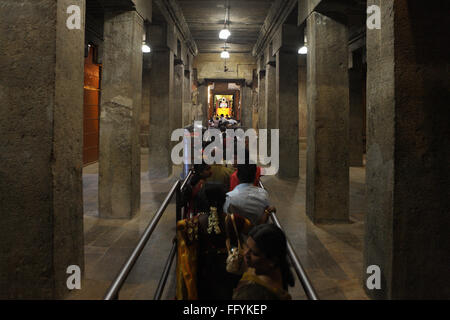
(91, 108)
(91, 97)
(91, 76)
(90, 155)
(90, 140)
(91, 126)
(91, 112)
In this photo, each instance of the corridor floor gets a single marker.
(331, 254)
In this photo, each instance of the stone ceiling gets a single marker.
(99, 6)
(205, 19)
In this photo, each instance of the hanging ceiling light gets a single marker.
(304, 49)
(146, 48)
(224, 34)
(225, 54)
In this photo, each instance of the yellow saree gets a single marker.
(187, 259)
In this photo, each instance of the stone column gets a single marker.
(120, 163)
(247, 106)
(145, 110)
(356, 102)
(187, 97)
(271, 96)
(177, 118)
(287, 102)
(41, 148)
(407, 220)
(302, 103)
(262, 111)
(255, 94)
(203, 103)
(160, 164)
(327, 183)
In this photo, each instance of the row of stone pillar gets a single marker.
(406, 224)
(326, 83)
(41, 126)
(406, 227)
(278, 98)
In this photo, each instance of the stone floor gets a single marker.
(331, 254)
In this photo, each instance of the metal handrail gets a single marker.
(186, 179)
(299, 270)
(165, 274)
(113, 291)
(173, 251)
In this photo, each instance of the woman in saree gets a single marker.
(202, 251)
(268, 275)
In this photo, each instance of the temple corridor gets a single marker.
(331, 254)
(99, 97)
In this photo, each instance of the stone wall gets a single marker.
(211, 66)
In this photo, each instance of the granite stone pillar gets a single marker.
(187, 98)
(271, 96)
(41, 148)
(161, 98)
(262, 112)
(327, 180)
(255, 102)
(203, 103)
(287, 102)
(120, 163)
(247, 106)
(302, 102)
(356, 103)
(407, 222)
(145, 110)
(177, 118)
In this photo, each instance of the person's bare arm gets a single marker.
(266, 215)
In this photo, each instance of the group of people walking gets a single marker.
(226, 247)
(222, 121)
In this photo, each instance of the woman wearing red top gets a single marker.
(234, 180)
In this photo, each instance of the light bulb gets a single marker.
(146, 48)
(225, 55)
(303, 50)
(224, 34)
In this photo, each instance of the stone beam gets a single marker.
(173, 14)
(277, 15)
(117, 5)
(344, 11)
(144, 8)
